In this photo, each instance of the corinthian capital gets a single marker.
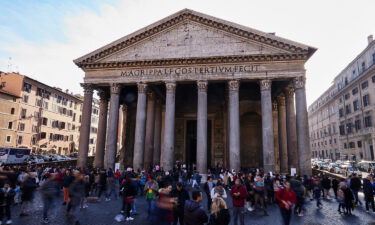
(265, 85)
(233, 85)
(288, 92)
(281, 100)
(142, 87)
(170, 86)
(87, 88)
(202, 85)
(103, 95)
(299, 82)
(274, 106)
(115, 88)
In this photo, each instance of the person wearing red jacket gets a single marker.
(286, 198)
(239, 195)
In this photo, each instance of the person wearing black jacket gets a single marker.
(326, 184)
(207, 187)
(194, 211)
(368, 192)
(355, 185)
(128, 192)
(335, 186)
(182, 196)
(6, 199)
(102, 185)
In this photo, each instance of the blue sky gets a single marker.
(43, 36)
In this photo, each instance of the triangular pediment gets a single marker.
(190, 40)
(189, 34)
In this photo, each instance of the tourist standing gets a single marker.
(355, 186)
(67, 180)
(219, 212)
(182, 196)
(49, 193)
(368, 192)
(194, 211)
(6, 200)
(28, 187)
(207, 187)
(239, 195)
(151, 189)
(128, 193)
(286, 199)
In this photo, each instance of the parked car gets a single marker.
(47, 158)
(366, 166)
(332, 167)
(73, 155)
(66, 157)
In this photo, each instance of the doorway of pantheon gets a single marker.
(191, 142)
(251, 140)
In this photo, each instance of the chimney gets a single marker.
(370, 38)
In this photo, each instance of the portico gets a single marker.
(200, 90)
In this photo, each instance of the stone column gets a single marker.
(124, 122)
(140, 124)
(102, 129)
(202, 128)
(267, 126)
(291, 129)
(283, 141)
(234, 125)
(167, 156)
(150, 124)
(84, 135)
(157, 133)
(275, 116)
(303, 143)
(112, 130)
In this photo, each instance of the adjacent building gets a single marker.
(37, 116)
(341, 121)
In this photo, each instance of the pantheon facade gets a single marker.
(199, 90)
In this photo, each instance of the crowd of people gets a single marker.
(172, 196)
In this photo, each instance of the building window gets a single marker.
(8, 138)
(357, 124)
(359, 144)
(27, 87)
(45, 105)
(345, 145)
(373, 79)
(348, 109)
(364, 85)
(355, 105)
(25, 98)
(342, 129)
(43, 135)
(37, 115)
(12, 111)
(23, 113)
(349, 128)
(366, 100)
(334, 140)
(21, 127)
(368, 121)
(363, 66)
(355, 91)
(38, 102)
(44, 121)
(10, 125)
(19, 140)
(373, 58)
(347, 96)
(351, 145)
(341, 112)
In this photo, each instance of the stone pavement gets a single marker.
(103, 213)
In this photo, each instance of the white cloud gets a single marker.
(337, 28)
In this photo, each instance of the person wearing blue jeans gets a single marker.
(151, 189)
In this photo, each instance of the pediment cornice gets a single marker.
(197, 61)
(248, 33)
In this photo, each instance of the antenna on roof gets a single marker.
(10, 65)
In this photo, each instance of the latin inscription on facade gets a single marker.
(176, 72)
